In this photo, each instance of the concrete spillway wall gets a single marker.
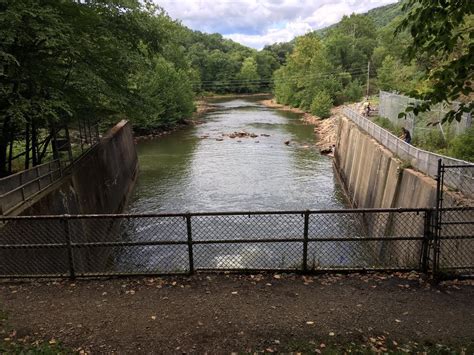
(99, 182)
(375, 178)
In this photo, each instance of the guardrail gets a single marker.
(182, 243)
(422, 160)
(17, 188)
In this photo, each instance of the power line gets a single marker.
(353, 71)
(294, 79)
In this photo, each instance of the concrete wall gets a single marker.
(99, 183)
(375, 178)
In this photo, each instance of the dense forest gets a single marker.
(411, 47)
(331, 66)
(68, 61)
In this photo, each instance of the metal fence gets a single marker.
(154, 244)
(453, 230)
(392, 104)
(424, 161)
(17, 188)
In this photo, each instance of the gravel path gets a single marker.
(224, 313)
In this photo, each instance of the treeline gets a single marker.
(331, 66)
(63, 61)
(224, 66)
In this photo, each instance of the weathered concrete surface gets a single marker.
(375, 178)
(100, 182)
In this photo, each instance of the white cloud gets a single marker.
(256, 23)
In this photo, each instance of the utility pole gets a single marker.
(368, 78)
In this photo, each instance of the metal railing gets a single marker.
(422, 160)
(17, 188)
(156, 244)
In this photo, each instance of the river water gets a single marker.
(200, 169)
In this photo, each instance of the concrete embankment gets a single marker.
(375, 178)
(99, 182)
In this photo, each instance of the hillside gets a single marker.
(381, 16)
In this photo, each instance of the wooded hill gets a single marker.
(63, 62)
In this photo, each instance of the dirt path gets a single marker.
(224, 313)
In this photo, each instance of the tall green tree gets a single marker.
(248, 78)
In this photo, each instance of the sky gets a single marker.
(255, 23)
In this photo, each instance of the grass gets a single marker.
(10, 344)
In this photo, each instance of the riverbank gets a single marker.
(222, 313)
(325, 129)
(202, 107)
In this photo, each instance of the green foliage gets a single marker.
(387, 124)
(353, 92)
(334, 65)
(462, 147)
(430, 140)
(280, 50)
(443, 32)
(248, 76)
(321, 105)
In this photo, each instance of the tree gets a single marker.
(321, 105)
(443, 31)
(64, 60)
(267, 63)
(248, 76)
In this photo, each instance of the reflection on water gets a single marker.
(195, 170)
(201, 169)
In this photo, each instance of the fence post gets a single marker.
(70, 253)
(190, 244)
(427, 238)
(305, 241)
(438, 216)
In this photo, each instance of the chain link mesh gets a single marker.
(160, 244)
(457, 240)
(460, 178)
(34, 247)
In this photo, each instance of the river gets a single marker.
(275, 166)
(201, 169)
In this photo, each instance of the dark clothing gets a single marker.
(407, 136)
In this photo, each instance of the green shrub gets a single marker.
(431, 140)
(353, 92)
(321, 105)
(462, 147)
(387, 124)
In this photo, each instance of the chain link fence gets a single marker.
(424, 123)
(454, 228)
(156, 244)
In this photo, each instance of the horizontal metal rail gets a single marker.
(336, 240)
(31, 182)
(229, 213)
